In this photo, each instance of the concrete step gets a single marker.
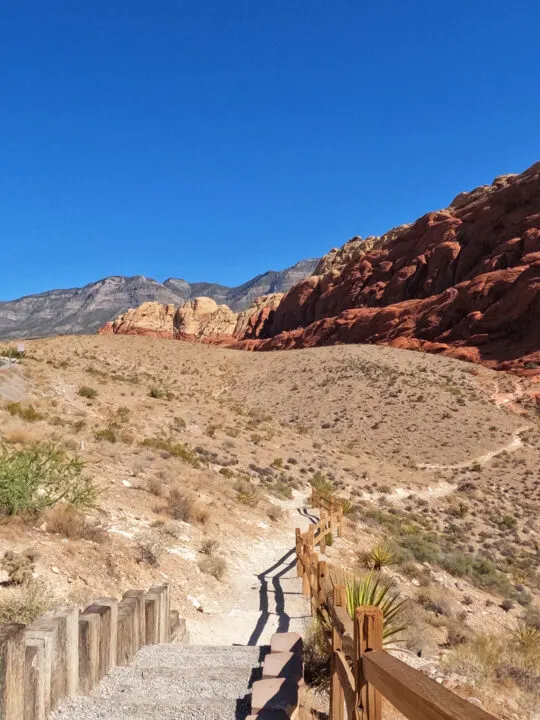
(126, 709)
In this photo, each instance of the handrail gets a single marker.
(362, 673)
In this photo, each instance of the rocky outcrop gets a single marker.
(202, 317)
(249, 320)
(150, 318)
(464, 281)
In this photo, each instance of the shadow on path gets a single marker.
(280, 568)
(304, 512)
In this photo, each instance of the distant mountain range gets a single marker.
(86, 309)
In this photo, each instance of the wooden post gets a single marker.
(125, 648)
(307, 572)
(321, 574)
(12, 652)
(68, 648)
(152, 608)
(322, 544)
(332, 514)
(340, 522)
(314, 582)
(298, 536)
(337, 698)
(89, 629)
(34, 680)
(52, 631)
(163, 592)
(106, 631)
(140, 615)
(368, 627)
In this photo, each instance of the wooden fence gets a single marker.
(362, 673)
(66, 652)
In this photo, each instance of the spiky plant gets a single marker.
(378, 557)
(373, 590)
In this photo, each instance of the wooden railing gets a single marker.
(67, 652)
(362, 673)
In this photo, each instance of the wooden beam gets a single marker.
(415, 695)
(346, 681)
(12, 654)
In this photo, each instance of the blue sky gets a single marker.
(213, 140)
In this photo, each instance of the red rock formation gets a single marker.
(464, 281)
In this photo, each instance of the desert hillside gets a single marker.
(183, 443)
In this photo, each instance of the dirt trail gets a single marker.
(514, 444)
(265, 596)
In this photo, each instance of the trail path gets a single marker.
(514, 444)
(266, 595)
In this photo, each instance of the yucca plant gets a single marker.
(378, 557)
(347, 506)
(373, 590)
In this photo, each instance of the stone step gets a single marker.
(126, 709)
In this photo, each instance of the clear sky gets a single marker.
(213, 140)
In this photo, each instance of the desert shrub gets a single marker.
(316, 656)
(209, 546)
(274, 512)
(25, 603)
(347, 506)
(435, 601)
(66, 520)
(180, 505)
(281, 490)
(457, 634)
(11, 352)
(150, 547)
(507, 604)
(480, 571)
(155, 486)
(156, 392)
(19, 566)
(277, 463)
(226, 472)
(18, 436)
(373, 590)
(378, 557)
(108, 434)
(423, 547)
(86, 391)
(175, 449)
(323, 485)
(26, 412)
(38, 477)
(213, 565)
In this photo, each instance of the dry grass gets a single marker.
(71, 523)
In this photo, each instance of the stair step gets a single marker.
(177, 683)
(125, 709)
(200, 656)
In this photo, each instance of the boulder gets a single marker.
(202, 317)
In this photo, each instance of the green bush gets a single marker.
(372, 590)
(175, 449)
(28, 413)
(87, 392)
(107, 434)
(38, 477)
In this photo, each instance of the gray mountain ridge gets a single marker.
(85, 309)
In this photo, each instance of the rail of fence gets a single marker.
(362, 672)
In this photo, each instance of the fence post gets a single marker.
(306, 564)
(337, 698)
(368, 627)
(340, 521)
(321, 573)
(322, 531)
(298, 534)
(314, 582)
(12, 654)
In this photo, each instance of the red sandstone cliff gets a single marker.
(464, 281)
